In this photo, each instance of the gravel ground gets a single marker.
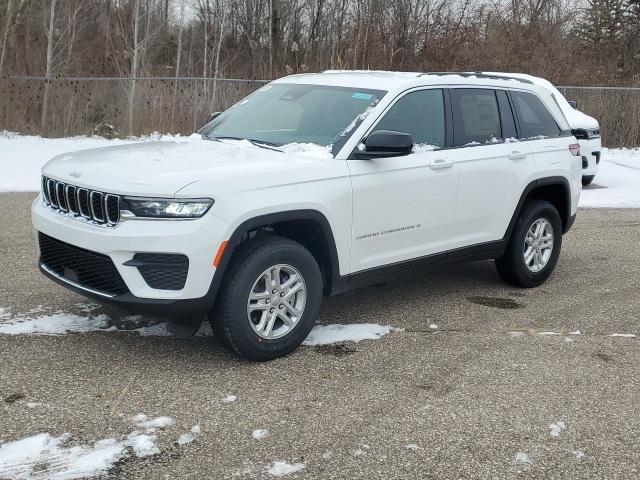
(459, 401)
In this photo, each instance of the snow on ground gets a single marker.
(229, 399)
(556, 428)
(27, 154)
(45, 456)
(260, 433)
(522, 457)
(277, 469)
(617, 183)
(189, 437)
(326, 334)
(60, 323)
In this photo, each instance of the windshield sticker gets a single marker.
(362, 96)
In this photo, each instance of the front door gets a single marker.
(403, 207)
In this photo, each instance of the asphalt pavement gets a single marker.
(474, 398)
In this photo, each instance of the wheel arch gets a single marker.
(306, 226)
(555, 190)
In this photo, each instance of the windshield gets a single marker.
(279, 114)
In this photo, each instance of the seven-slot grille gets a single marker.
(99, 207)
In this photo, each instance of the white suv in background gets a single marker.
(585, 128)
(314, 184)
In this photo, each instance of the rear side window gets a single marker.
(506, 116)
(535, 119)
(476, 118)
(420, 113)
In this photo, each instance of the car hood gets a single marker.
(162, 168)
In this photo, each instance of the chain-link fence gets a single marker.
(616, 108)
(75, 106)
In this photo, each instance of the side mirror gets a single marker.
(573, 104)
(386, 143)
(213, 115)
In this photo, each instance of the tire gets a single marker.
(255, 262)
(587, 179)
(512, 267)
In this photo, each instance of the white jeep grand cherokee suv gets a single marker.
(314, 184)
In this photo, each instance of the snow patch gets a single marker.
(308, 149)
(25, 458)
(411, 446)
(555, 429)
(433, 326)
(56, 324)
(327, 334)
(61, 323)
(280, 468)
(617, 183)
(229, 399)
(29, 153)
(260, 433)
(522, 457)
(151, 425)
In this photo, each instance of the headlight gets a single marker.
(131, 207)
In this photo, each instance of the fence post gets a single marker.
(195, 104)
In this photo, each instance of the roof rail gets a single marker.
(480, 75)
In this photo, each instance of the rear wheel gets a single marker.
(534, 246)
(268, 303)
(587, 179)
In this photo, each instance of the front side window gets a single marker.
(419, 113)
(279, 114)
(535, 119)
(476, 118)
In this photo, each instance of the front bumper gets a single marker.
(590, 151)
(198, 240)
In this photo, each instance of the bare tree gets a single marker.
(49, 66)
(134, 65)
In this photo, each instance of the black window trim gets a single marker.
(448, 112)
(563, 133)
(448, 117)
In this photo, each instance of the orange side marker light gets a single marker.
(216, 261)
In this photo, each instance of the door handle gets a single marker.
(440, 164)
(515, 155)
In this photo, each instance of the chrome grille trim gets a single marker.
(107, 197)
(100, 201)
(45, 190)
(60, 195)
(68, 199)
(87, 213)
(70, 193)
(53, 197)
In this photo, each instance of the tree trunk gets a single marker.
(217, 61)
(134, 65)
(178, 55)
(49, 67)
(274, 35)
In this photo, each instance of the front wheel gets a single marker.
(534, 246)
(587, 179)
(270, 298)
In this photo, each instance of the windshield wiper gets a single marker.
(257, 143)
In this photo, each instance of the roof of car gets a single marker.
(386, 80)
(397, 82)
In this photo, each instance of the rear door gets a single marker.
(494, 165)
(404, 207)
(541, 132)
